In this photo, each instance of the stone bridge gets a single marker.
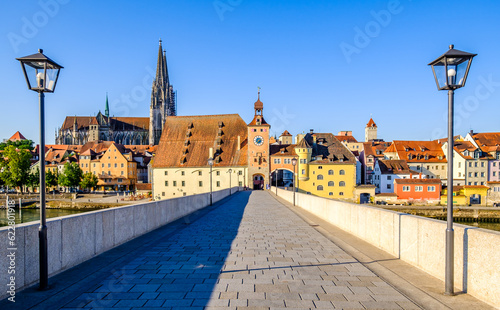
(251, 250)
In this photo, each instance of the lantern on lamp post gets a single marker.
(41, 74)
(450, 72)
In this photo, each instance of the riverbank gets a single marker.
(460, 213)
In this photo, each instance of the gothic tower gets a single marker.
(258, 148)
(370, 131)
(162, 99)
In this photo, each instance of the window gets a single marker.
(330, 194)
(330, 172)
(342, 172)
(419, 188)
(494, 164)
(217, 173)
(470, 174)
(122, 173)
(331, 183)
(389, 186)
(406, 188)
(494, 173)
(183, 172)
(174, 183)
(431, 188)
(287, 161)
(475, 164)
(470, 183)
(303, 171)
(442, 167)
(475, 183)
(218, 184)
(482, 164)
(240, 172)
(109, 172)
(120, 180)
(183, 183)
(389, 177)
(475, 174)
(470, 164)
(303, 161)
(163, 194)
(277, 161)
(166, 183)
(320, 167)
(341, 194)
(200, 183)
(320, 177)
(459, 165)
(240, 184)
(320, 187)
(341, 183)
(94, 165)
(482, 174)
(109, 165)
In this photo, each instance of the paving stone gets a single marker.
(380, 305)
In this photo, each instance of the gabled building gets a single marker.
(426, 157)
(281, 164)
(386, 171)
(285, 138)
(489, 143)
(347, 139)
(371, 153)
(326, 167)
(475, 163)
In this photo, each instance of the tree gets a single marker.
(71, 176)
(89, 181)
(34, 179)
(51, 179)
(14, 166)
(19, 144)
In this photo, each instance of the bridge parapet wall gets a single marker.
(76, 238)
(417, 240)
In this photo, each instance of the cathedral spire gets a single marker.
(160, 66)
(106, 111)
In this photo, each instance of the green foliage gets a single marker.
(34, 179)
(51, 179)
(71, 176)
(19, 144)
(89, 181)
(15, 166)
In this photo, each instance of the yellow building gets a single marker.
(326, 167)
(466, 195)
(180, 167)
(112, 163)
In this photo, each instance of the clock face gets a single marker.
(258, 140)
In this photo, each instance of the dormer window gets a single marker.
(466, 153)
(221, 124)
(426, 157)
(477, 154)
(498, 155)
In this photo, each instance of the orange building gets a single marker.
(418, 189)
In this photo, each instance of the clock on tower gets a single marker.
(258, 148)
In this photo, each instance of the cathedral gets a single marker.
(78, 130)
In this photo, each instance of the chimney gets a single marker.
(311, 131)
(239, 143)
(211, 152)
(471, 132)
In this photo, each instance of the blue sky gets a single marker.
(322, 65)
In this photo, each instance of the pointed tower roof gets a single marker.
(17, 136)
(161, 67)
(371, 123)
(106, 111)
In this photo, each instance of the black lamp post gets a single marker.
(230, 171)
(276, 176)
(294, 163)
(450, 72)
(41, 74)
(210, 163)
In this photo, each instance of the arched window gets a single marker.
(341, 183)
(331, 183)
(341, 194)
(330, 172)
(341, 172)
(320, 177)
(320, 187)
(330, 194)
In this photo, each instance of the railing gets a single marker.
(417, 240)
(76, 238)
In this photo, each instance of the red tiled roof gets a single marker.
(282, 150)
(371, 123)
(418, 181)
(348, 139)
(17, 136)
(286, 133)
(189, 138)
(394, 167)
(420, 151)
